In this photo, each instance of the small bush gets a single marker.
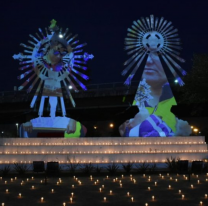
(73, 167)
(98, 169)
(112, 169)
(5, 171)
(172, 164)
(142, 167)
(20, 168)
(128, 167)
(87, 168)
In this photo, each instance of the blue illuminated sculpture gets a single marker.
(53, 59)
(154, 40)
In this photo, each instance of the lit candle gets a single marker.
(32, 178)
(72, 194)
(5, 182)
(192, 186)
(143, 175)
(169, 186)
(114, 180)
(120, 185)
(201, 202)
(95, 183)
(179, 191)
(128, 193)
(7, 190)
(153, 197)
(41, 181)
(57, 183)
(104, 198)
(20, 195)
(107, 177)
(122, 176)
(72, 186)
(176, 180)
(103, 186)
(148, 188)
(71, 199)
(183, 196)
(27, 179)
(132, 199)
(15, 178)
(2, 204)
(155, 183)
(64, 204)
(42, 198)
(52, 190)
(146, 204)
(205, 195)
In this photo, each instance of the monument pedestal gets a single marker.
(102, 150)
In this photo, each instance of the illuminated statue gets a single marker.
(154, 40)
(54, 60)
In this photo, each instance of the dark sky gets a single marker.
(103, 25)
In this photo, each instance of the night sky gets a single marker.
(103, 25)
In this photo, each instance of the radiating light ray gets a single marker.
(138, 43)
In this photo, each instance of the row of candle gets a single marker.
(100, 143)
(107, 152)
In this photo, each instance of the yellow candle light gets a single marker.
(42, 198)
(5, 182)
(100, 189)
(176, 180)
(148, 188)
(179, 191)
(20, 195)
(71, 199)
(72, 194)
(183, 196)
(107, 177)
(52, 190)
(192, 186)
(128, 193)
(104, 198)
(120, 185)
(7, 190)
(132, 199)
(64, 204)
(114, 180)
(153, 197)
(122, 176)
(2, 204)
(205, 195)
(72, 186)
(201, 203)
(111, 192)
(155, 183)
(32, 178)
(169, 186)
(146, 204)
(103, 186)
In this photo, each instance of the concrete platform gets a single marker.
(102, 150)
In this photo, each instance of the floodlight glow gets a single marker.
(111, 125)
(61, 36)
(176, 81)
(70, 87)
(195, 130)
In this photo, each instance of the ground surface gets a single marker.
(87, 193)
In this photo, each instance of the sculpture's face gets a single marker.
(55, 54)
(153, 71)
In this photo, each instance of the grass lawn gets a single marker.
(88, 193)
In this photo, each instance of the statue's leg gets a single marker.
(40, 113)
(53, 104)
(63, 107)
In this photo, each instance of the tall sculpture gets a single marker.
(53, 60)
(154, 40)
